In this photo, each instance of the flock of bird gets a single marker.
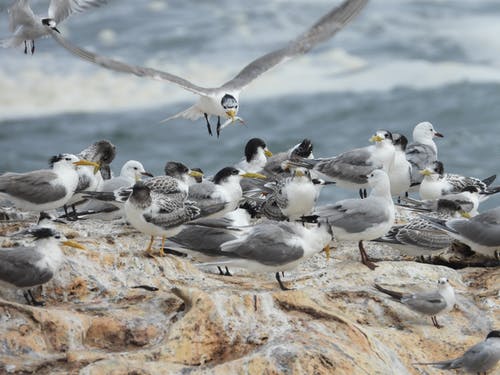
(260, 214)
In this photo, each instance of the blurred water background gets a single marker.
(401, 62)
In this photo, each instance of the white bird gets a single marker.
(156, 214)
(423, 150)
(26, 26)
(478, 359)
(400, 170)
(432, 303)
(45, 189)
(26, 267)
(350, 169)
(481, 233)
(275, 247)
(223, 101)
(362, 219)
(131, 172)
(437, 184)
(256, 154)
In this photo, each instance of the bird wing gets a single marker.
(62, 9)
(324, 29)
(17, 267)
(20, 14)
(35, 187)
(483, 229)
(121, 67)
(429, 303)
(351, 166)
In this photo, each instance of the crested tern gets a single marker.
(26, 267)
(223, 101)
(26, 26)
(45, 189)
(256, 154)
(432, 303)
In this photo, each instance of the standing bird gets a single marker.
(478, 359)
(26, 26)
(274, 165)
(223, 101)
(45, 189)
(422, 151)
(151, 212)
(351, 168)
(432, 303)
(362, 219)
(400, 171)
(26, 267)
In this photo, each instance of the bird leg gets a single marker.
(361, 193)
(365, 193)
(208, 124)
(227, 272)
(218, 126)
(435, 322)
(32, 47)
(221, 272)
(280, 282)
(326, 249)
(364, 257)
(150, 246)
(25, 48)
(27, 295)
(162, 253)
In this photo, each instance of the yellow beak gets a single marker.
(326, 249)
(195, 174)
(96, 166)
(254, 175)
(425, 172)
(465, 215)
(268, 153)
(231, 113)
(74, 244)
(299, 173)
(376, 138)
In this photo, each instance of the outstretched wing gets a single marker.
(61, 9)
(119, 66)
(324, 29)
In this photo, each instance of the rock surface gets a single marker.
(333, 322)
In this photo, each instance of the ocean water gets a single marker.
(401, 62)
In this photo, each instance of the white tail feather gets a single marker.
(192, 113)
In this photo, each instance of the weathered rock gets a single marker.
(198, 322)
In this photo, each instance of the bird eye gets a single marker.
(57, 237)
(135, 168)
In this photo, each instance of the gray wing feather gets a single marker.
(206, 240)
(121, 67)
(324, 29)
(35, 187)
(483, 229)
(352, 166)
(422, 233)
(62, 9)
(266, 245)
(17, 267)
(419, 156)
(426, 303)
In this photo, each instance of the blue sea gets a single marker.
(399, 63)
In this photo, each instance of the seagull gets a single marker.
(26, 267)
(478, 359)
(26, 26)
(422, 151)
(418, 236)
(468, 200)
(223, 101)
(350, 169)
(361, 219)
(222, 195)
(256, 154)
(400, 170)
(432, 303)
(275, 247)
(481, 233)
(131, 172)
(437, 184)
(44, 189)
(151, 212)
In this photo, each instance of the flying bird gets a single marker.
(223, 101)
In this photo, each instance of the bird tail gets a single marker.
(443, 365)
(192, 113)
(392, 293)
(302, 162)
(438, 223)
(491, 191)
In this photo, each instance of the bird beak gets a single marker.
(465, 215)
(376, 138)
(268, 153)
(253, 175)
(55, 29)
(299, 173)
(439, 135)
(326, 249)
(147, 174)
(96, 166)
(74, 244)
(195, 174)
(425, 172)
(231, 113)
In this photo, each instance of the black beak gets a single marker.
(55, 29)
(439, 135)
(147, 174)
